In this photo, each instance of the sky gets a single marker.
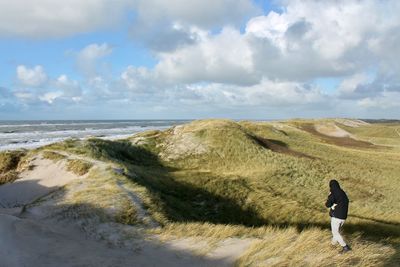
(190, 59)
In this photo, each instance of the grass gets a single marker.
(291, 248)
(54, 156)
(9, 161)
(267, 181)
(78, 166)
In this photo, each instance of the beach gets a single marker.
(33, 134)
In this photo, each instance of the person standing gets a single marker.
(338, 204)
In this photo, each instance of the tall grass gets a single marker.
(9, 161)
(195, 179)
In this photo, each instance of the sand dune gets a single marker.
(29, 239)
(26, 242)
(46, 177)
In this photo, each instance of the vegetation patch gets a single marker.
(279, 147)
(8, 177)
(9, 162)
(254, 179)
(339, 141)
(128, 213)
(54, 156)
(78, 166)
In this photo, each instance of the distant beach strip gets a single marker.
(32, 134)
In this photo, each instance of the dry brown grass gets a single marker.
(9, 161)
(225, 183)
(8, 177)
(312, 248)
(78, 166)
(54, 156)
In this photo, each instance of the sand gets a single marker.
(27, 239)
(26, 242)
(43, 179)
(331, 129)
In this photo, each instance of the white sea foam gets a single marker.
(21, 137)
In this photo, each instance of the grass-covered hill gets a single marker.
(267, 181)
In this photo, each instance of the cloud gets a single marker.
(25, 96)
(225, 55)
(386, 100)
(306, 41)
(41, 88)
(87, 58)
(69, 88)
(34, 77)
(222, 58)
(351, 86)
(46, 18)
(50, 97)
(53, 19)
(166, 25)
(203, 13)
(270, 93)
(138, 79)
(166, 37)
(5, 93)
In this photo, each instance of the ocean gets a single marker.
(32, 134)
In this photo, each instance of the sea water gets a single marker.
(32, 134)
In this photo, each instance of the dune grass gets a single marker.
(9, 162)
(269, 181)
(54, 156)
(78, 166)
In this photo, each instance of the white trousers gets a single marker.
(335, 227)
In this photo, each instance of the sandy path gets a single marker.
(46, 177)
(25, 242)
(30, 240)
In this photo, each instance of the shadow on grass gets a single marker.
(32, 238)
(205, 198)
(278, 146)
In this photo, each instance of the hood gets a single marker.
(334, 185)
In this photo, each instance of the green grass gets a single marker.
(261, 180)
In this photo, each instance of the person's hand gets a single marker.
(333, 206)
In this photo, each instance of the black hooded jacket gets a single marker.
(338, 197)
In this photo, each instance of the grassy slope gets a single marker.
(220, 178)
(10, 162)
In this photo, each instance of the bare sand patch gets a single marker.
(44, 178)
(331, 129)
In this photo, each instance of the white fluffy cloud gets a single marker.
(138, 79)
(44, 89)
(205, 54)
(50, 97)
(87, 58)
(165, 25)
(386, 100)
(307, 40)
(34, 77)
(69, 88)
(203, 13)
(276, 58)
(224, 58)
(267, 92)
(50, 18)
(350, 85)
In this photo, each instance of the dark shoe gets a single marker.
(345, 249)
